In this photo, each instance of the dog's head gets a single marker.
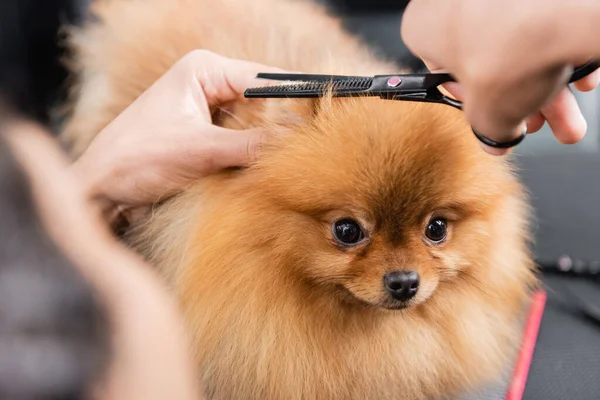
(383, 201)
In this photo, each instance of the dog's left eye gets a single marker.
(348, 232)
(437, 230)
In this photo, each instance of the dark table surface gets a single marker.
(565, 191)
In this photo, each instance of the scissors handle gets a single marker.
(584, 70)
(432, 94)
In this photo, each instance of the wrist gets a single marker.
(93, 183)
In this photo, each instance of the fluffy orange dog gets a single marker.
(373, 252)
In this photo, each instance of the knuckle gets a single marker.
(197, 56)
(251, 150)
(478, 76)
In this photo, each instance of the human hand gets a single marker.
(165, 139)
(511, 59)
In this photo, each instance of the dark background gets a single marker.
(563, 180)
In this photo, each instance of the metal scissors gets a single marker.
(407, 87)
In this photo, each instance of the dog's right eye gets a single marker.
(348, 232)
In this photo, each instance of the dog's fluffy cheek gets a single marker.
(427, 287)
(470, 244)
(364, 279)
(327, 266)
(369, 291)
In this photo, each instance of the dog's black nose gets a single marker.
(402, 285)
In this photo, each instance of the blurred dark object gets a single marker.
(31, 75)
(53, 331)
(360, 6)
(378, 24)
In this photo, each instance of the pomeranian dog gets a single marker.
(374, 251)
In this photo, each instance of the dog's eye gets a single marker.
(348, 232)
(437, 229)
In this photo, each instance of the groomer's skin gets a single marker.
(512, 59)
(150, 354)
(157, 146)
(165, 139)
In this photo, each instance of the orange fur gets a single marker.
(276, 309)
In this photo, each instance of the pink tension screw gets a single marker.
(394, 81)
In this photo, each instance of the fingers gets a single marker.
(224, 79)
(563, 114)
(235, 148)
(453, 89)
(499, 109)
(588, 83)
(425, 32)
(495, 151)
(535, 122)
(565, 118)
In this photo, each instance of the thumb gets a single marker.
(450, 89)
(236, 148)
